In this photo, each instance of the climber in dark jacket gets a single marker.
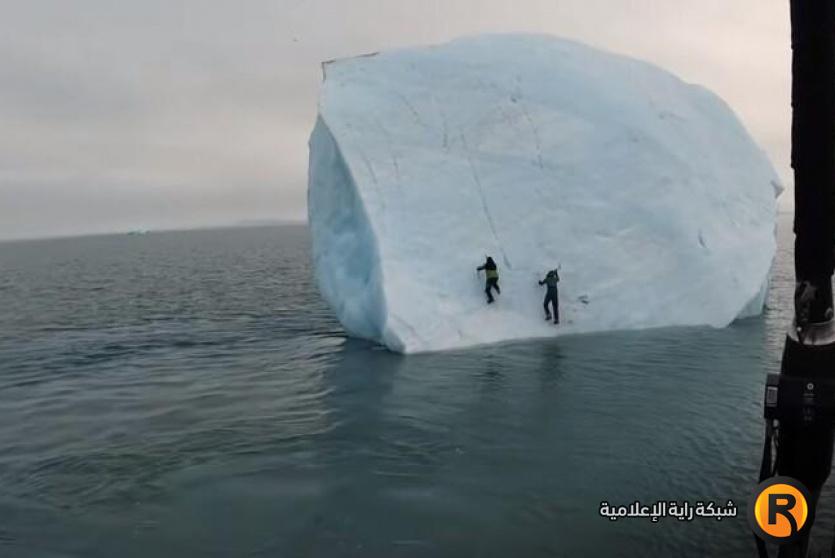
(492, 275)
(552, 295)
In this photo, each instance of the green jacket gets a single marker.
(490, 269)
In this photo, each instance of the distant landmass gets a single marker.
(267, 222)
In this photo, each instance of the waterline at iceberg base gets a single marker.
(537, 151)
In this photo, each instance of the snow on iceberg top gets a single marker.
(537, 151)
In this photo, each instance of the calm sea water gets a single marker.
(189, 394)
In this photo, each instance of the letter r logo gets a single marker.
(779, 509)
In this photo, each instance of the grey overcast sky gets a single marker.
(124, 114)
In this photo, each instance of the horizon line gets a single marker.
(256, 223)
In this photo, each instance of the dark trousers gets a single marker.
(552, 298)
(492, 283)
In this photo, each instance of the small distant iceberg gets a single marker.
(536, 151)
(138, 232)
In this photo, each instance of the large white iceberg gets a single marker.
(537, 151)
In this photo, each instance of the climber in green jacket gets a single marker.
(492, 274)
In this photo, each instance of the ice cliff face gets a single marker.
(537, 151)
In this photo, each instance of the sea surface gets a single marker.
(185, 394)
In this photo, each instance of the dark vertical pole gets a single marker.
(813, 146)
(805, 447)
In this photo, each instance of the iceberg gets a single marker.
(646, 190)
